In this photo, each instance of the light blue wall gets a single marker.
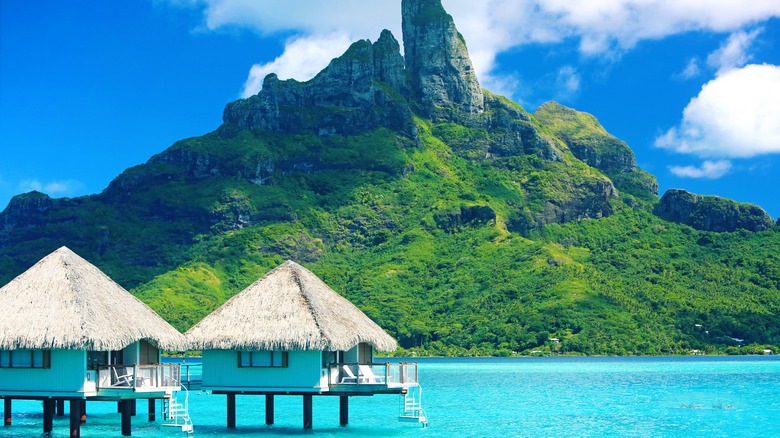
(130, 354)
(220, 369)
(351, 355)
(67, 372)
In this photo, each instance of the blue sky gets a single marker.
(90, 88)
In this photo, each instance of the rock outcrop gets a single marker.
(591, 199)
(26, 210)
(711, 213)
(592, 144)
(454, 219)
(359, 91)
(442, 79)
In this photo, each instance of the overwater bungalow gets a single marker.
(290, 334)
(70, 333)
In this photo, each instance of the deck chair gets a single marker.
(367, 375)
(348, 376)
(123, 380)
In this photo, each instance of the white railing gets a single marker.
(384, 374)
(143, 377)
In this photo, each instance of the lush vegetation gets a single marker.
(387, 222)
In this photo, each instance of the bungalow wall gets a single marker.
(221, 370)
(65, 374)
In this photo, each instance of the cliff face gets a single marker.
(360, 91)
(28, 209)
(441, 76)
(711, 213)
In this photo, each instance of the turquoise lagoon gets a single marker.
(487, 397)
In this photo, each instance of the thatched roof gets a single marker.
(289, 308)
(63, 301)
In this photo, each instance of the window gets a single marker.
(96, 358)
(25, 359)
(266, 359)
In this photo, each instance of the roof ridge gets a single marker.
(297, 279)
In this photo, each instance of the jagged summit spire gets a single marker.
(437, 60)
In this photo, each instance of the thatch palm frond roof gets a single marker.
(289, 308)
(63, 301)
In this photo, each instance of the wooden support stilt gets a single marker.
(343, 410)
(119, 407)
(307, 411)
(60, 407)
(83, 411)
(126, 417)
(269, 409)
(231, 410)
(75, 417)
(48, 415)
(152, 406)
(133, 407)
(7, 411)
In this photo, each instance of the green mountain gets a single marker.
(451, 216)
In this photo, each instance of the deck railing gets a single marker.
(139, 377)
(391, 375)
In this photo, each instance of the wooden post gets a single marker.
(126, 417)
(343, 410)
(119, 407)
(307, 416)
(152, 405)
(60, 407)
(269, 409)
(231, 410)
(75, 417)
(48, 415)
(7, 411)
(83, 410)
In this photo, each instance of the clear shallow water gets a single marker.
(540, 397)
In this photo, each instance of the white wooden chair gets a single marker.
(349, 376)
(367, 375)
(122, 381)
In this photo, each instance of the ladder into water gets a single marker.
(177, 413)
(411, 408)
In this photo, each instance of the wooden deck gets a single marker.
(375, 378)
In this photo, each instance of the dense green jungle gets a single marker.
(439, 229)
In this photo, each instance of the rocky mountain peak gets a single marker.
(442, 78)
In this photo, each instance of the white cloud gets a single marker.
(53, 188)
(691, 69)
(569, 79)
(302, 59)
(708, 169)
(734, 116)
(734, 53)
(359, 18)
(602, 27)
